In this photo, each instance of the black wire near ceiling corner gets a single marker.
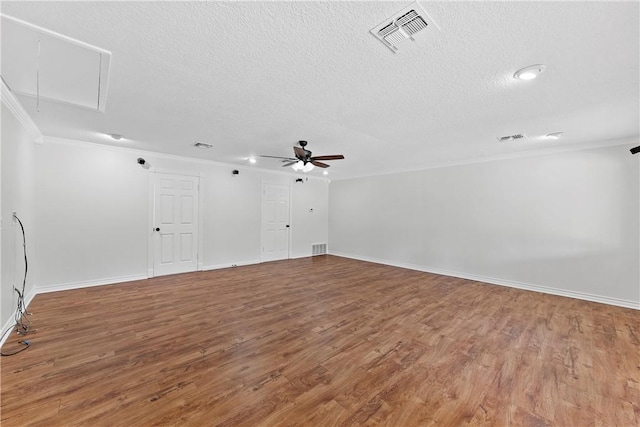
(22, 324)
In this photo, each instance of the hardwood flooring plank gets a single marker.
(322, 341)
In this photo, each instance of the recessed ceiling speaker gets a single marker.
(635, 150)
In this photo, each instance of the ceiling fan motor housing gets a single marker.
(307, 154)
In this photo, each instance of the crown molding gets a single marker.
(11, 102)
(592, 145)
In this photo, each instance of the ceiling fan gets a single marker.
(306, 157)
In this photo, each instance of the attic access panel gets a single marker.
(49, 66)
(410, 24)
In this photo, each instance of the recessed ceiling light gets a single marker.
(530, 72)
(252, 160)
(115, 136)
(555, 135)
(203, 145)
(325, 173)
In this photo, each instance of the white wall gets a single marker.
(93, 212)
(17, 194)
(565, 223)
(91, 215)
(310, 222)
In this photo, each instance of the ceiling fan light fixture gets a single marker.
(300, 166)
(530, 72)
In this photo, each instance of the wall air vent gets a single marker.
(411, 23)
(516, 137)
(318, 249)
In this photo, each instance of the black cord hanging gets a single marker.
(21, 324)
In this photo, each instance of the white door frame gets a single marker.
(150, 232)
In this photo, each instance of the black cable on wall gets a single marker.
(22, 324)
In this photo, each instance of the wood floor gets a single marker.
(322, 341)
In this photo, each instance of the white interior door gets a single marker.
(275, 222)
(175, 229)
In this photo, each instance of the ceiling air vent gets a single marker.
(203, 145)
(516, 137)
(411, 23)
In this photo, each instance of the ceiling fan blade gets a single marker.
(331, 157)
(278, 157)
(300, 153)
(290, 163)
(319, 164)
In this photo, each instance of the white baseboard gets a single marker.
(233, 264)
(298, 256)
(86, 284)
(10, 323)
(501, 282)
(250, 262)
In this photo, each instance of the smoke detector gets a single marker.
(411, 23)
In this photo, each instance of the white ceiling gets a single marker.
(252, 78)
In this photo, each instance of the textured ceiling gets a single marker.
(252, 78)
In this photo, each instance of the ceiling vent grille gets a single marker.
(390, 35)
(410, 23)
(516, 137)
(202, 145)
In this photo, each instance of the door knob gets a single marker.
(157, 228)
